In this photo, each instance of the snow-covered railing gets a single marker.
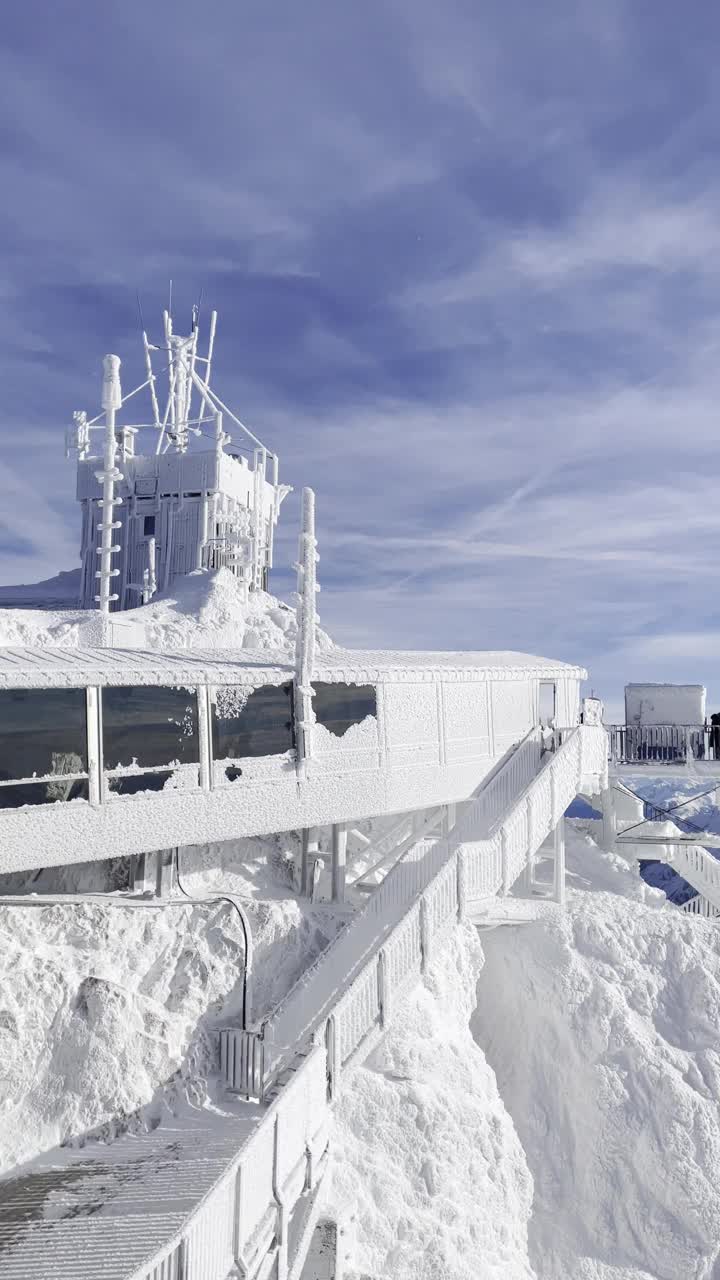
(700, 906)
(348, 988)
(663, 743)
(245, 1219)
(699, 868)
(249, 1058)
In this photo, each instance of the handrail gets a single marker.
(396, 890)
(504, 844)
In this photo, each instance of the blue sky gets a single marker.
(466, 259)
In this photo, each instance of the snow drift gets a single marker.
(203, 610)
(593, 1077)
(424, 1150)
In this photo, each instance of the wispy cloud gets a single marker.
(467, 268)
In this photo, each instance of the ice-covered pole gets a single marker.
(111, 401)
(306, 624)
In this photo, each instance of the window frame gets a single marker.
(225, 762)
(36, 779)
(137, 771)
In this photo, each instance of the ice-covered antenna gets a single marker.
(187, 371)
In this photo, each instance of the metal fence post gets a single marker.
(559, 865)
(504, 863)
(424, 934)
(461, 869)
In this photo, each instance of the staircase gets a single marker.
(700, 906)
(702, 871)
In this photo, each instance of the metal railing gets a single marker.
(663, 743)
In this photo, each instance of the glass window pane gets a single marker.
(149, 726)
(43, 793)
(338, 706)
(42, 731)
(132, 783)
(252, 723)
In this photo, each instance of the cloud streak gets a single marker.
(467, 269)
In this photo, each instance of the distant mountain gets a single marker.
(60, 592)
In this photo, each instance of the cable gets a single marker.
(247, 933)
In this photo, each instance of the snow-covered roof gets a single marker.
(47, 666)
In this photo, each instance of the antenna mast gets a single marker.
(111, 401)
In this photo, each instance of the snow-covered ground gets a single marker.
(546, 1104)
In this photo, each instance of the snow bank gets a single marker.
(106, 1013)
(602, 1027)
(99, 1006)
(202, 611)
(425, 1154)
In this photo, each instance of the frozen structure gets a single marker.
(667, 735)
(191, 500)
(465, 762)
(670, 704)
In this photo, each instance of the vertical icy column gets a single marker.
(111, 401)
(258, 540)
(306, 624)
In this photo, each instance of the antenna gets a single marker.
(140, 312)
(170, 298)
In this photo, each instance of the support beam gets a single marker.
(152, 873)
(559, 864)
(310, 849)
(339, 861)
(609, 818)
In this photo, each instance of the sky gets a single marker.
(466, 258)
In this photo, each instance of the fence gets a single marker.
(700, 906)
(663, 743)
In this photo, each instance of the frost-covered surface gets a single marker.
(602, 1028)
(426, 1156)
(594, 1075)
(105, 1011)
(201, 611)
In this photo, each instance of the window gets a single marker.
(42, 735)
(547, 701)
(252, 722)
(149, 527)
(147, 727)
(338, 706)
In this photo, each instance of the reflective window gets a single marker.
(338, 706)
(149, 726)
(42, 731)
(129, 784)
(18, 794)
(257, 722)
